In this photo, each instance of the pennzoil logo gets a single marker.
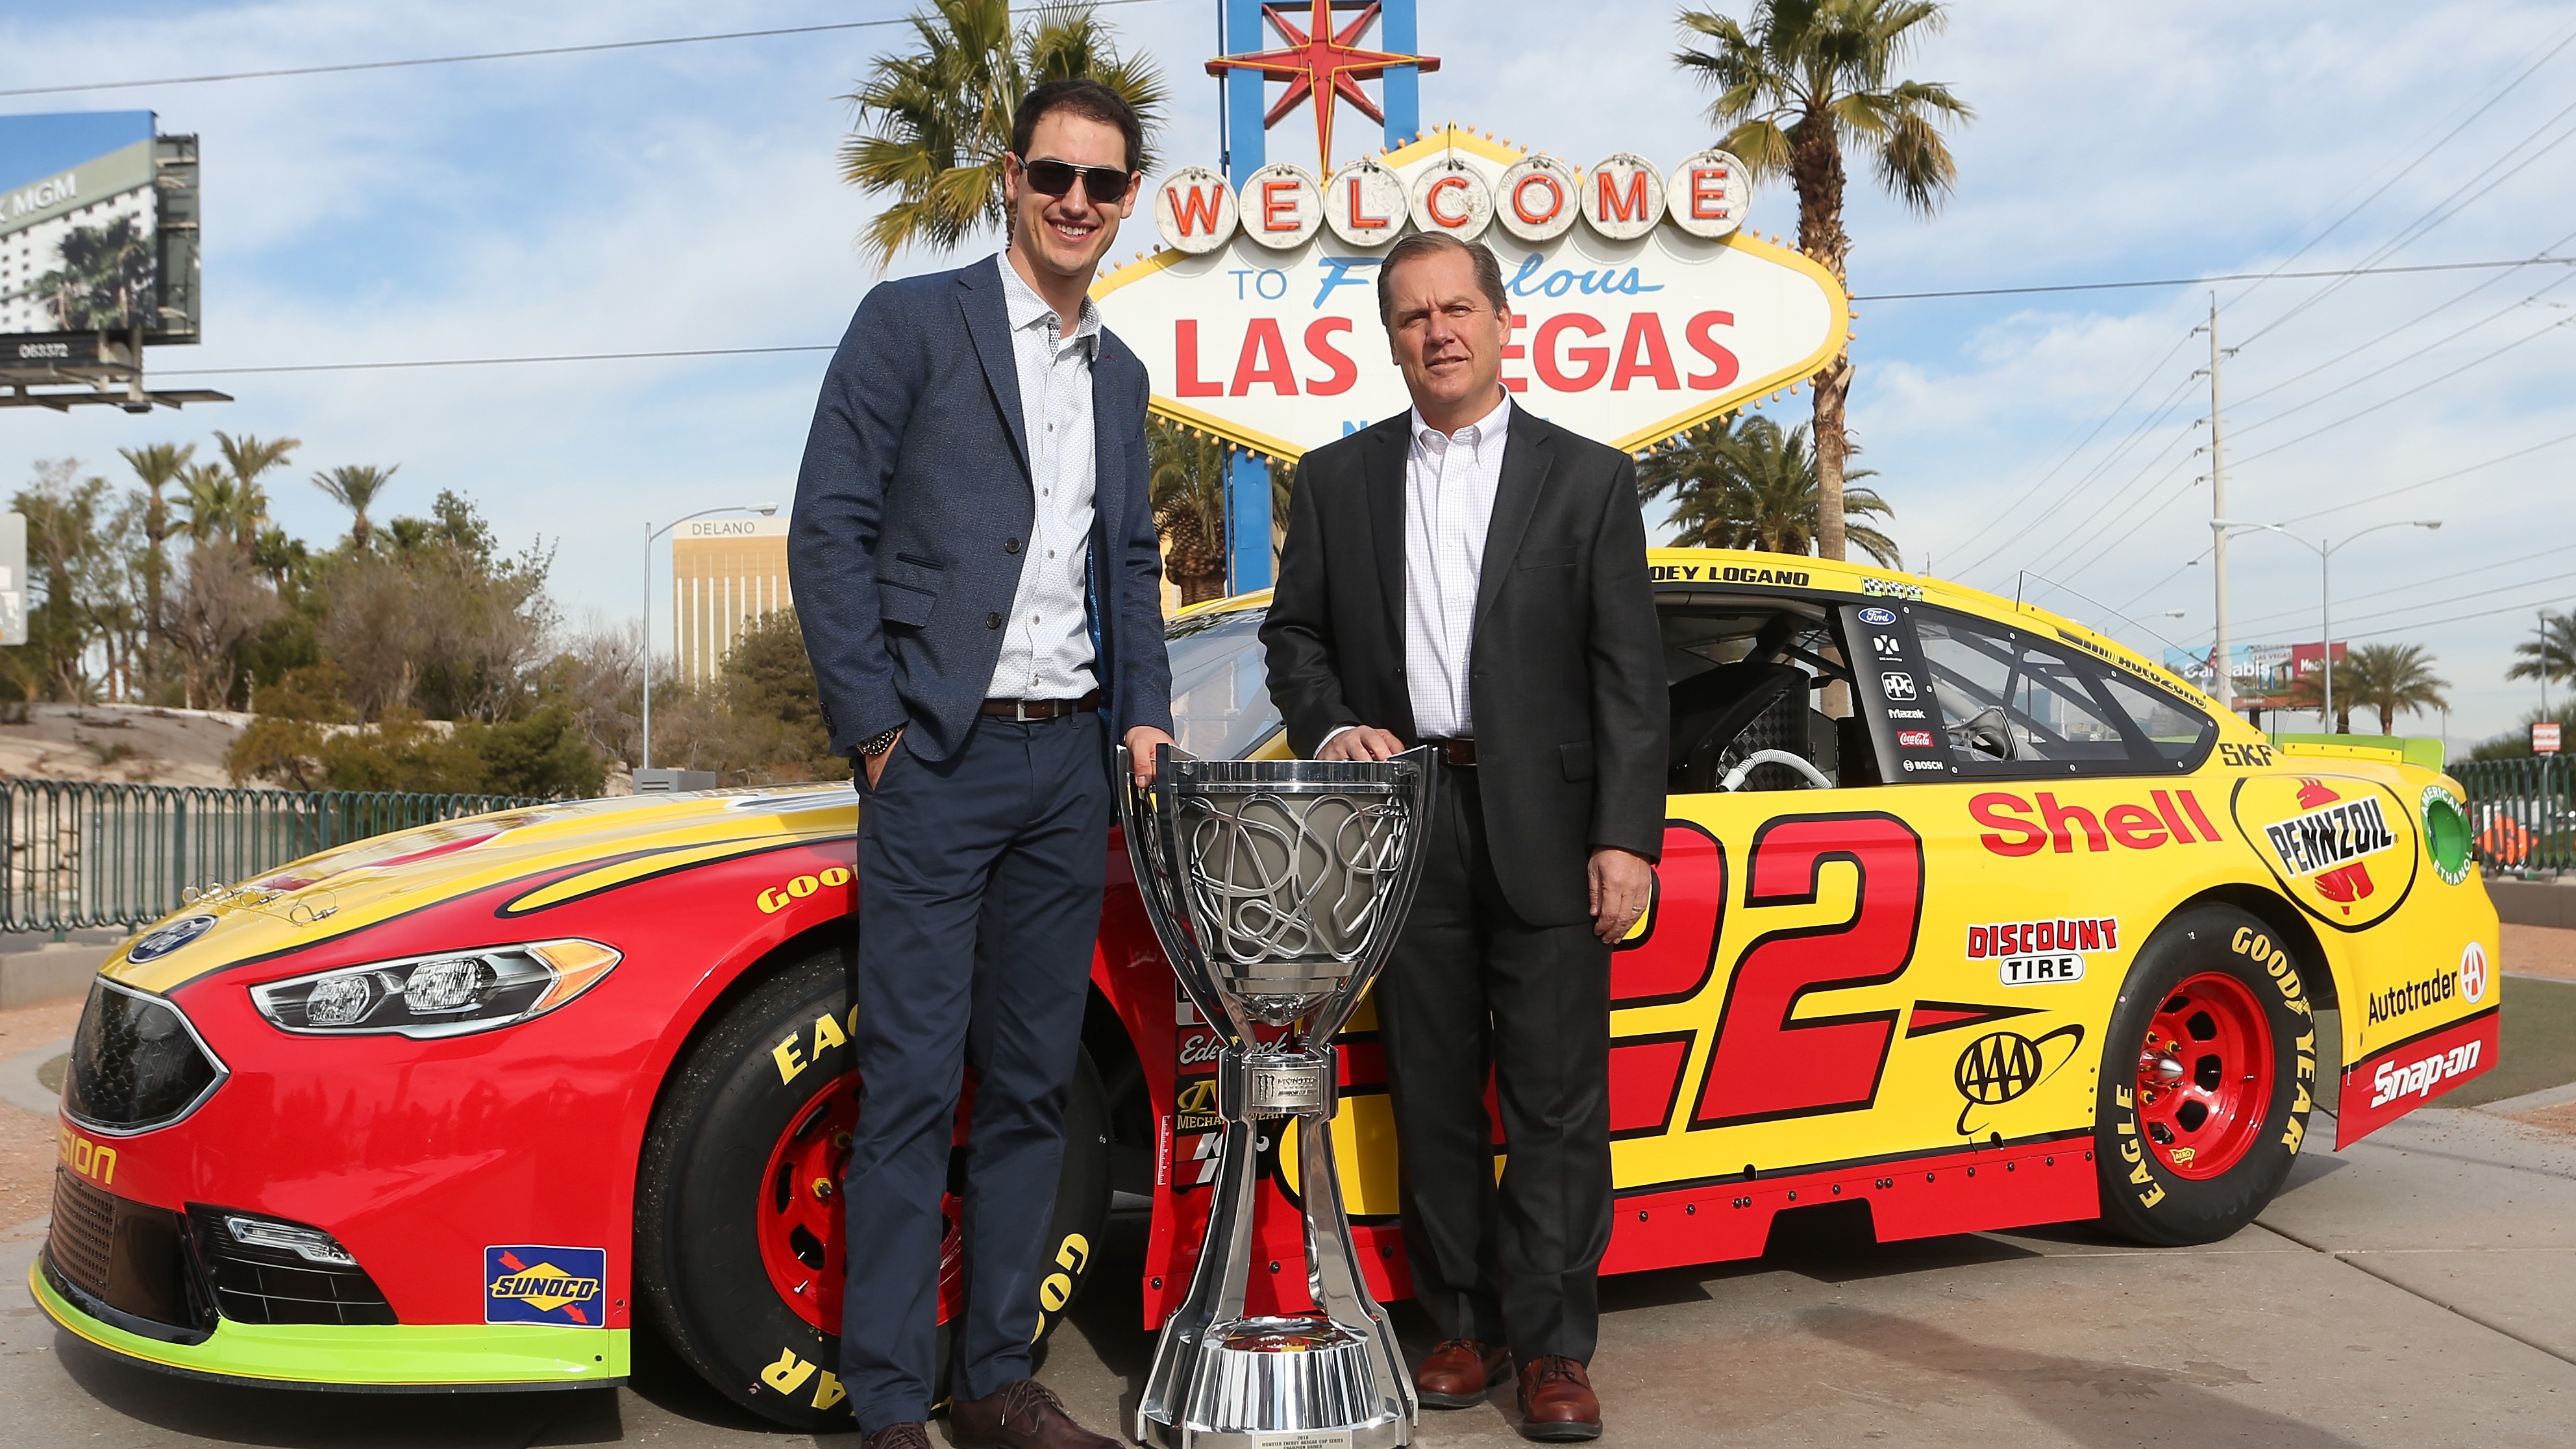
(563, 1286)
(2343, 847)
(2331, 839)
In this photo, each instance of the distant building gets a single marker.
(725, 572)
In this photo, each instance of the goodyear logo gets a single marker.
(775, 899)
(523, 1284)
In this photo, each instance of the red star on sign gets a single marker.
(1322, 64)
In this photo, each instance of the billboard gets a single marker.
(1640, 309)
(2263, 674)
(98, 234)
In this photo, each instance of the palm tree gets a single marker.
(1747, 484)
(1804, 81)
(354, 486)
(213, 500)
(2551, 657)
(158, 465)
(249, 457)
(105, 279)
(938, 121)
(2385, 677)
(1189, 507)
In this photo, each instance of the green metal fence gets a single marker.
(76, 853)
(2521, 812)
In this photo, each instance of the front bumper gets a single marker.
(397, 1357)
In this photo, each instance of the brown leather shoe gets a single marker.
(899, 1436)
(1557, 1402)
(1023, 1414)
(1458, 1372)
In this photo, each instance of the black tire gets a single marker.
(699, 1206)
(2145, 1197)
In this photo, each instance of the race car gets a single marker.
(1967, 918)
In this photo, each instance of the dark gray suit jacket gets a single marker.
(913, 511)
(1566, 672)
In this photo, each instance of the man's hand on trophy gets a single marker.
(1361, 742)
(1622, 884)
(1140, 752)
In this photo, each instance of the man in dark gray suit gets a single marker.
(1469, 576)
(974, 557)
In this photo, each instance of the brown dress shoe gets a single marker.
(1023, 1414)
(1557, 1402)
(1458, 1372)
(898, 1436)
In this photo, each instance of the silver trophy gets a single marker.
(1277, 888)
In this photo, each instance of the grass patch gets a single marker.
(2539, 1046)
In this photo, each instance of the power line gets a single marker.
(494, 361)
(2438, 478)
(2393, 364)
(2453, 619)
(2204, 281)
(2376, 408)
(608, 45)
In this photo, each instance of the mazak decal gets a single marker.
(545, 1285)
(1895, 713)
(2344, 848)
(2021, 825)
(2042, 953)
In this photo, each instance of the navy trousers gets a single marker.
(979, 898)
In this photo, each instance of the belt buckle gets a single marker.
(1020, 712)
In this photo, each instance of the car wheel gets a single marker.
(738, 1232)
(2207, 1072)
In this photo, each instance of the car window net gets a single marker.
(2006, 699)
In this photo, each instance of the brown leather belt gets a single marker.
(1455, 752)
(1029, 709)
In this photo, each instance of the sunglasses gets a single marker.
(1103, 184)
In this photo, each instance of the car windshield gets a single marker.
(1221, 708)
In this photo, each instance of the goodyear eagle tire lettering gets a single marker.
(2209, 1069)
(775, 1067)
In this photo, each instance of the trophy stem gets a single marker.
(1333, 1272)
(1216, 1291)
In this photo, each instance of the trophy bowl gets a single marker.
(1277, 888)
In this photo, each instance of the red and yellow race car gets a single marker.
(1966, 915)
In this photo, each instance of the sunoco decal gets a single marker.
(563, 1286)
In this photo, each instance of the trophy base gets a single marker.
(1284, 1383)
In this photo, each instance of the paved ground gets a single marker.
(2411, 1291)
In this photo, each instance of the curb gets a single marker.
(2546, 1097)
(18, 1085)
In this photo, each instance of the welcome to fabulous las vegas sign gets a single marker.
(1641, 308)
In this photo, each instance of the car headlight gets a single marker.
(443, 994)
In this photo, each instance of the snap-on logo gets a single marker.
(2026, 825)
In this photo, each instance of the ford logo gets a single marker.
(1877, 616)
(160, 941)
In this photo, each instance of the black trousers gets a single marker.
(979, 899)
(1472, 987)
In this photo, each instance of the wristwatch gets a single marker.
(882, 743)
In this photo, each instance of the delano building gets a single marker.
(725, 573)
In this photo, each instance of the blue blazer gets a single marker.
(914, 507)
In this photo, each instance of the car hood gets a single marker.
(559, 851)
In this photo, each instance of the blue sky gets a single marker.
(685, 197)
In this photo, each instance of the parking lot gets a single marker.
(2410, 1291)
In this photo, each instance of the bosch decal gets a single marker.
(545, 1285)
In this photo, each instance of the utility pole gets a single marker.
(2219, 659)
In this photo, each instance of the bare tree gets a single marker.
(221, 601)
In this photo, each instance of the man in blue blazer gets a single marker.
(975, 564)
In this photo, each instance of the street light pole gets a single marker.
(651, 535)
(2324, 550)
(2219, 662)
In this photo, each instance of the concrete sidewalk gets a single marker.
(2412, 1291)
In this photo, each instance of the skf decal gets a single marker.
(2246, 757)
(2003, 1066)
(2024, 825)
(544, 1285)
(777, 897)
(2342, 847)
(2394, 1081)
(93, 1160)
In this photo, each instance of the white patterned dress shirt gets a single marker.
(1449, 484)
(1046, 645)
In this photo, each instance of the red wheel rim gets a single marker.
(800, 1219)
(2205, 1076)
